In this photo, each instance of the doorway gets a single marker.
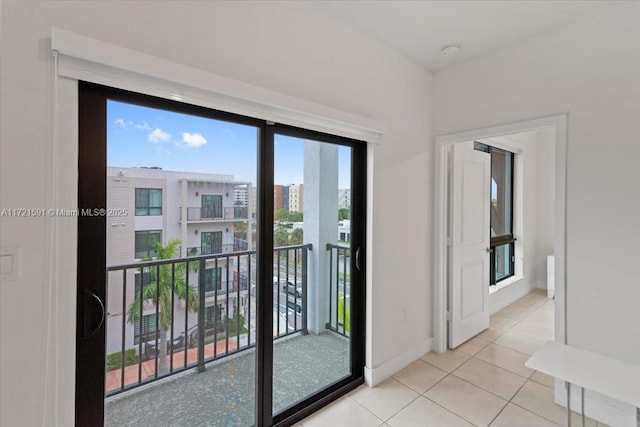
(529, 263)
(192, 308)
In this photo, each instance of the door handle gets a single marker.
(90, 297)
(358, 258)
(489, 250)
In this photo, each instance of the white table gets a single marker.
(611, 377)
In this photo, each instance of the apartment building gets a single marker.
(296, 197)
(201, 210)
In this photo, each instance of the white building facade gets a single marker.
(202, 212)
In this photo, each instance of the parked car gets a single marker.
(292, 289)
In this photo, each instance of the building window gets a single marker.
(502, 240)
(146, 243)
(211, 207)
(213, 317)
(149, 329)
(143, 279)
(211, 242)
(148, 201)
(213, 279)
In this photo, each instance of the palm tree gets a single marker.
(158, 290)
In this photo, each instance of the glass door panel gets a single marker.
(311, 268)
(180, 326)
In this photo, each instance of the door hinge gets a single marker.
(448, 316)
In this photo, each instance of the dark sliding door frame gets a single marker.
(91, 268)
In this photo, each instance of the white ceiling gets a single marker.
(420, 29)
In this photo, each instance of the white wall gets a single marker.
(590, 71)
(288, 47)
(545, 204)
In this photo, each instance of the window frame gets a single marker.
(212, 248)
(216, 209)
(147, 207)
(149, 252)
(147, 334)
(507, 239)
(216, 279)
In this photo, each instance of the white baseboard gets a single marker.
(374, 376)
(597, 406)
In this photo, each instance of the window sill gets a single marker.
(504, 283)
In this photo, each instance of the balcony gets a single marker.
(155, 369)
(219, 214)
(238, 245)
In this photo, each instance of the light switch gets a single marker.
(9, 263)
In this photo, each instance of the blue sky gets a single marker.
(140, 136)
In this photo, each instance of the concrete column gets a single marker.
(183, 218)
(320, 225)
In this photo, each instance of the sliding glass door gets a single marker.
(313, 259)
(222, 283)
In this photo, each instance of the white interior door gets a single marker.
(469, 216)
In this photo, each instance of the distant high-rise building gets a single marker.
(344, 198)
(296, 198)
(278, 200)
(241, 196)
(285, 196)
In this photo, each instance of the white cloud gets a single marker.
(143, 126)
(123, 124)
(158, 135)
(193, 140)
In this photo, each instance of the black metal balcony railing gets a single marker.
(221, 290)
(207, 214)
(339, 289)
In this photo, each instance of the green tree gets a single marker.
(158, 290)
(240, 230)
(344, 213)
(296, 237)
(295, 217)
(281, 214)
(280, 236)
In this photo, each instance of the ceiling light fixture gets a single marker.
(451, 50)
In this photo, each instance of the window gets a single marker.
(211, 206)
(143, 279)
(212, 316)
(149, 329)
(213, 279)
(146, 242)
(502, 240)
(148, 201)
(211, 242)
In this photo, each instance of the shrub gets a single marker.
(114, 360)
(344, 313)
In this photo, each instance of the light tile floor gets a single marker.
(481, 383)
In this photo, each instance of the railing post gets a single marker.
(305, 331)
(201, 276)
